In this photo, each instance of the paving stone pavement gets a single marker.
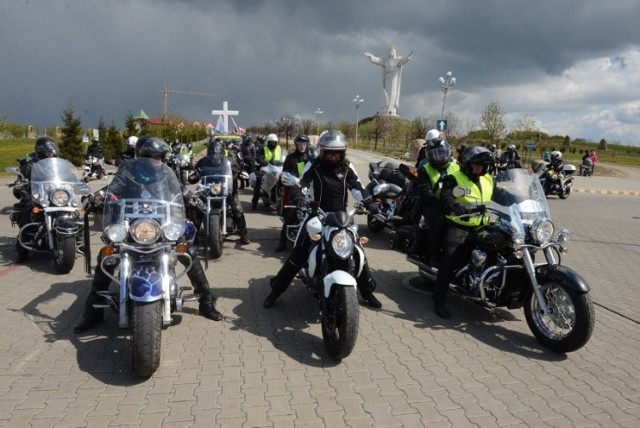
(268, 368)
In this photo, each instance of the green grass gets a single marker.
(10, 150)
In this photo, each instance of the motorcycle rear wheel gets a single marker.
(215, 236)
(64, 255)
(146, 338)
(340, 319)
(564, 194)
(569, 325)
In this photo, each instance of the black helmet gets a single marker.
(147, 147)
(45, 147)
(301, 139)
(478, 155)
(95, 140)
(511, 148)
(438, 153)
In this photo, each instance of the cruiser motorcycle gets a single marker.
(335, 260)
(515, 261)
(390, 187)
(142, 237)
(56, 225)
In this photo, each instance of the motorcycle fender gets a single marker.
(562, 275)
(360, 259)
(65, 226)
(145, 283)
(312, 260)
(340, 278)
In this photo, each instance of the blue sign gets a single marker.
(442, 125)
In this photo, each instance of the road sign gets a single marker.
(442, 125)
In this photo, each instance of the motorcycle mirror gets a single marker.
(460, 191)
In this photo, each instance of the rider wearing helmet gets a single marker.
(44, 148)
(293, 164)
(511, 158)
(153, 148)
(130, 151)
(215, 156)
(434, 137)
(271, 152)
(430, 177)
(329, 180)
(463, 214)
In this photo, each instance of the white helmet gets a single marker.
(131, 141)
(432, 134)
(556, 155)
(272, 137)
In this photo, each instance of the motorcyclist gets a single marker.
(511, 158)
(493, 148)
(329, 179)
(44, 147)
(553, 170)
(463, 214)
(95, 151)
(429, 183)
(293, 164)
(269, 153)
(215, 153)
(433, 136)
(155, 149)
(248, 153)
(130, 152)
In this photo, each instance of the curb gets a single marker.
(608, 192)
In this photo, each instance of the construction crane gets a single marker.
(165, 95)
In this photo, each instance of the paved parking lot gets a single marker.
(263, 368)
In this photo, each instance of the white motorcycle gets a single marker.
(269, 186)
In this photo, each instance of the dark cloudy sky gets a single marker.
(572, 65)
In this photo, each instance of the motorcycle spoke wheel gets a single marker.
(570, 319)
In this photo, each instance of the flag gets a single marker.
(220, 126)
(237, 129)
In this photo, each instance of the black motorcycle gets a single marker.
(515, 262)
(56, 225)
(557, 183)
(390, 187)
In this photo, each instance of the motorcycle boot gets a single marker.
(280, 282)
(366, 285)
(241, 223)
(201, 287)
(92, 316)
(23, 254)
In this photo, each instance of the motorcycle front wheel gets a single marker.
(146, 337)
(215, 236)
(340, 319)
(64, 255)
(570, 321)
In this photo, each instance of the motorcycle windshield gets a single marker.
(520, 194)
(144, 188)
(51, 174)
(218, 172)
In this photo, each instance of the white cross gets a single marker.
(225, 112)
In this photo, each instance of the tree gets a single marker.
(286, 125)
(130, 127)
(566, 142)
(112, 142)
(307, 125)
(492, 120)
(71, 147)
(527, 124)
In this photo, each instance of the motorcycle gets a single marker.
(56, 225)
(142, 248)
(182, 166)
(269, 186)
(330, 276)
(390, 187)
(209, 205)
(93, 170)
(557, 183)
(502, 269)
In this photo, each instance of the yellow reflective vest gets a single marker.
(434, 175)
(272, 155)
(481, 193)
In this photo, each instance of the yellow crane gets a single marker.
(165, 95)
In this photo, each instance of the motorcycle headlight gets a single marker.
(342, 244)
(172, 232)
(216, 188)
(116, 232)
(542, 231)
(145, 231)
(59, 198)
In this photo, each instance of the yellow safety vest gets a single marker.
(300, 166)
(479, 195)
(272, 155)
(434, 175)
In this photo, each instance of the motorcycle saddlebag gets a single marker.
(407, 239)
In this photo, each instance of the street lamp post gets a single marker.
(357, 101)
(296, 123)
(318, 113)
(446, 82)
